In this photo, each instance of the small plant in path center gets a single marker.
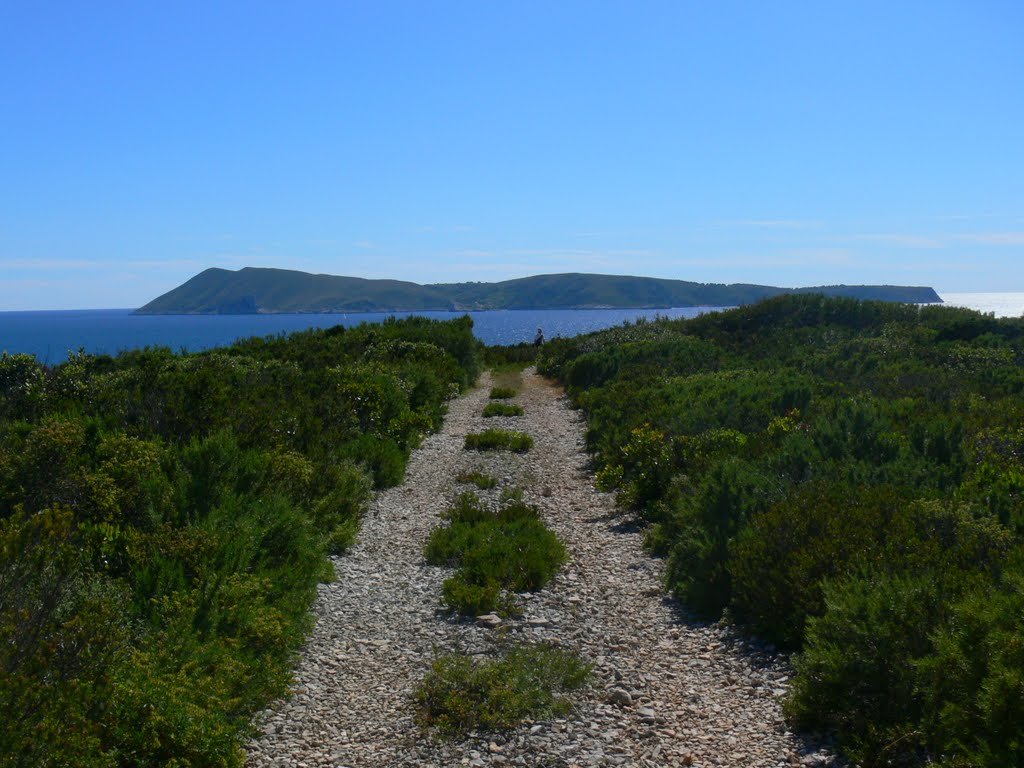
(499, 440)
(502, 393)
(502, 409)
(481, 480)
(460, 695)
(497, 551)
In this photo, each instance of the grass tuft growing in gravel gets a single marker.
(502, 409)
(499, 440)
(481, 480)
(460, 695)
(496, 551)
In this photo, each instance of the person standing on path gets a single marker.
(539, 338)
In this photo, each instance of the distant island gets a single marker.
(254, 290)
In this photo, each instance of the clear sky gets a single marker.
(784, 143)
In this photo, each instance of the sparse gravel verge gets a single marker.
(666, 691)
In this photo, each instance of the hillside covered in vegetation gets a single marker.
(846, 480)
(251, 290)
(165, 520)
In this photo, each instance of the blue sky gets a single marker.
(784, 143)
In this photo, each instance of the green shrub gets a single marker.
(499, 440)
(973, 685)
(502, 409)
(460, 695)
(336, 513)
(508, 548)
(681, 355)
(472, 599)
(381, 456)
(856, 672)
(782, 557)
(164, 520)
(502, 393)
(906, 671)
(704, 529)
(63, 630)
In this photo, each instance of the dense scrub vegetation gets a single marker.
(845, 479)
(164, 521)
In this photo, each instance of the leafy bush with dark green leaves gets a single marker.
(461, 694)
(165, 519)
(839, 476)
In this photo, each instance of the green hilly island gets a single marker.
(254, 290)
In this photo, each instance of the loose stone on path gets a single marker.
(665, 692)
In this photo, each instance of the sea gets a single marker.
(52, 335)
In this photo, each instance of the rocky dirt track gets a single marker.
(667, 691)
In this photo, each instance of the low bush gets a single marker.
(854, 675)
(782, 556)
(973, 685)
(502, 409)
(499, 440)
(703, 529)
(476, 599)
(507, 548)
(460, 694)
(923, 668)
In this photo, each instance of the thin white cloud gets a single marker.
(941, 240)
(819, 256)
(444, 229)
(992, 238)
(772, 224)
(93, 264)
(799, 257)
(902, 241)
(324, 241)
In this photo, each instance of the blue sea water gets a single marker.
(51, 335)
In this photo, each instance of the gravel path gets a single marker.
(666, 691)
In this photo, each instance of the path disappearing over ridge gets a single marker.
(697, 694)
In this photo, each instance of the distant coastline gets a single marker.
(275, 291)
